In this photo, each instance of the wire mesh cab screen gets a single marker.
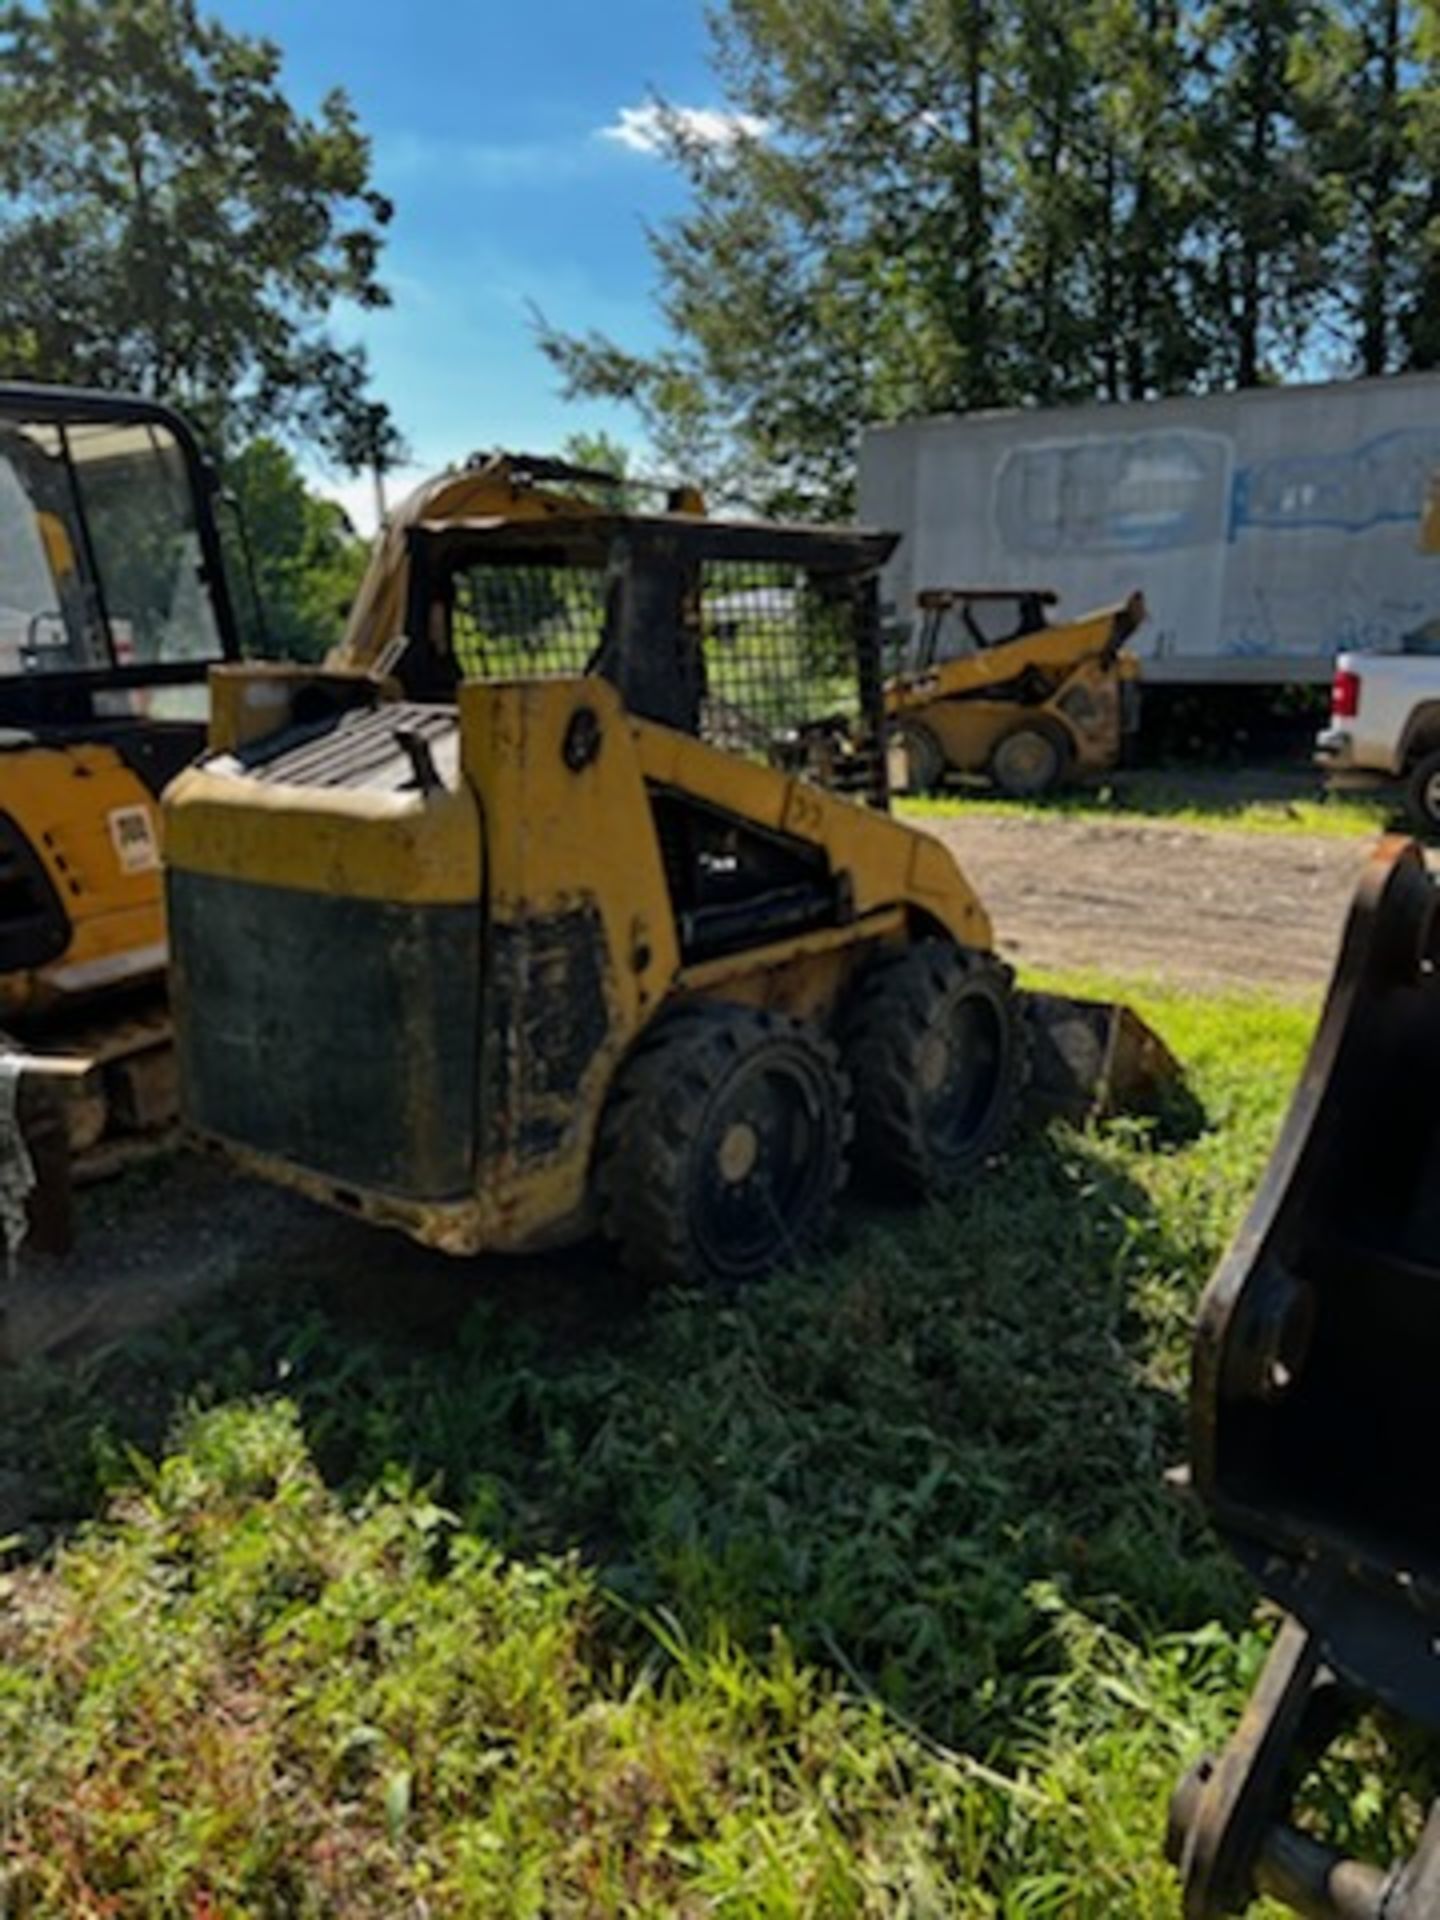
(761, 640)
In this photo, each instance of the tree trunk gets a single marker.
(1109, 285)
(979, 373)
(1146, 242)
(1049, 347)
(1379, 253)
(1255, 201)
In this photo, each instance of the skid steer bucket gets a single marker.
(1313, 1420)
(1093, 1058)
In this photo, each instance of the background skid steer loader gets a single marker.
(1313, 1422)
(995, 688)
(112, 610)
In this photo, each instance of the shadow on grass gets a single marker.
(881, 1456)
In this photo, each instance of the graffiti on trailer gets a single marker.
(1155, 492)
(1242, 554)
(1131, 493)
(1381, 481)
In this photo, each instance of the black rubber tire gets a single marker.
(925, 762)
(1422, 795)
(1029, 761)
(926, 1112)
(700, 1079)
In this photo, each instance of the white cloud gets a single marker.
(642, 129)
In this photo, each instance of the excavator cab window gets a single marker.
(110, 580)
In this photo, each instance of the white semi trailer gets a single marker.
(1268, 530)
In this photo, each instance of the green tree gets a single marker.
(1141, 199)
(940, 205)
(307, 558)
(1263, 228)
(599, 453)
(933, 205)
(845, 266)
(1419, 318)
(1359, 77)
(170, 223)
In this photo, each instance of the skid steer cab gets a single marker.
(1313, 1420)
(994, 689)
(534, 913)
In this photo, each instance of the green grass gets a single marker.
(862, 1594)
(1158, 799)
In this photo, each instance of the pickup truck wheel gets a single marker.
(1422, 794)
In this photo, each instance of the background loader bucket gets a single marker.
(1313, 1418)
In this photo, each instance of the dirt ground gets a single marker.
(1201, 909)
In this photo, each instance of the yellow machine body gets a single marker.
(976, 711)
(92, 827)
(550, 943)
(428, 904)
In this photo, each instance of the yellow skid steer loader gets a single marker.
(995, 689)
(520, 920)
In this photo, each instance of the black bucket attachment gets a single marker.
(1093, 1058)
(1314, 1419)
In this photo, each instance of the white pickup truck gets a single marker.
(1384, 729)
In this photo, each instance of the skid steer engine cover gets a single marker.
(326, 942)
(1313, 1400)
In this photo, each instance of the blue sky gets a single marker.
(489, 124)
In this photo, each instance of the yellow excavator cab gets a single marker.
(112, 612)
(993, 687)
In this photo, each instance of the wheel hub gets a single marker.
(959, 1069)
(738, 1151)
(932, 1065)
(1027, 758)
